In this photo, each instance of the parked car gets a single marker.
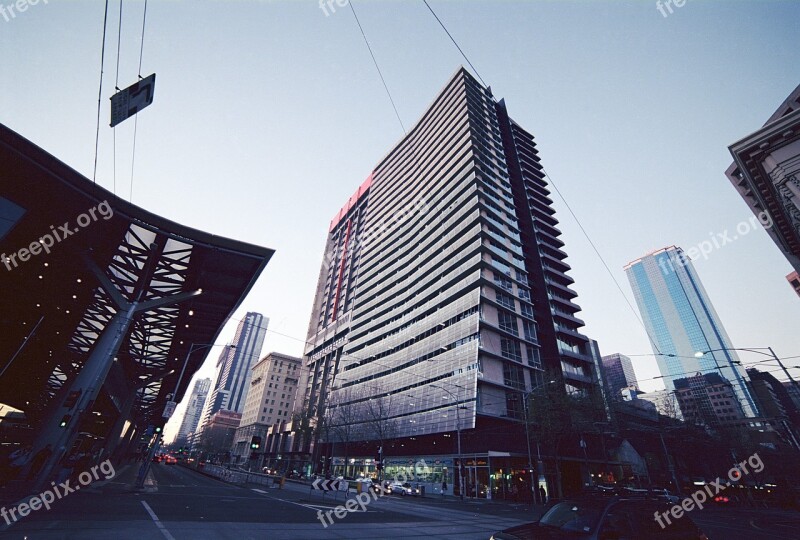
(605, 518)
(157, 458)
(170, 460)
(665, 495)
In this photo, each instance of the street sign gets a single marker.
(326, 485)
(133, 99)
(169, 409)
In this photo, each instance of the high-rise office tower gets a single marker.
(234, 366)
(619, 374)
(194, 408)
(681, 322)
(443, 294)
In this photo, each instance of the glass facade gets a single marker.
(681, 322)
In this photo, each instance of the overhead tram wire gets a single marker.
(385, 86)
(136, 118)
(100, 93)
(550, 179)
(454, 41)
(116, 87)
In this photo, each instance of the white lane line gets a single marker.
(160, 525)
(264, 494)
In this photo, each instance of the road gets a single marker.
(185, 505)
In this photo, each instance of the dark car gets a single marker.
(599, 518)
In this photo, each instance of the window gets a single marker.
(527, 310)
(513, 377)
(530, 330)
(502, 281)
(505, 300)
(534, 358)
(510, 348)
(507, 322)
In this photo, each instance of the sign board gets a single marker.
(169, 409)
(328, 485)
(133, 99)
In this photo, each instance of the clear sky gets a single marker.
(268, 115)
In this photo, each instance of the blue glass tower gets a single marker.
(681, 322)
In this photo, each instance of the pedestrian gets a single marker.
(543, 494)
(515, 492)
(444, 487)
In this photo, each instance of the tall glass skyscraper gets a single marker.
(234, 366)
(681, 322)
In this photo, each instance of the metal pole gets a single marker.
(460, 459)
(786, 371)
(528, 440)
(670, 466)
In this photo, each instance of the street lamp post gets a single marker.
(458, 435)
(525, 396)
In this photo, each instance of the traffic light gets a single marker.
(158, 429)
(65, 420)
(72, 398)
(255, 442)
(379, 459)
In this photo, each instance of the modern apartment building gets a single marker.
(270, 399)
(234, 366)
(765, 171)
(682, 324)
(443, 295)
(619, 374)
(194, 409)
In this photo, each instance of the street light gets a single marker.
(458, 435)
(758, 350)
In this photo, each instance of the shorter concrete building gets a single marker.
(794, 281)
(664, 401)
(708, 399)
(270, 400)
(765, 173)
(215, 439)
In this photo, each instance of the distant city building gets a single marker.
(663, 400)
(776, 403)
(794, 281)
(217, 435)
(270, 399)
(765, 172)
(682, 324)
(793, 390)
(708, 399)
(619, 374)
(194, 409)
(234, 366)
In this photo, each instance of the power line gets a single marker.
(136, 119)
(100, 93)
(453, 40)
(597, 252)
(353, 9)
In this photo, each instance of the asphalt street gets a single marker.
(186, 505)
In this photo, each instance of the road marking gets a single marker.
(264, 494)
(160, 525)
